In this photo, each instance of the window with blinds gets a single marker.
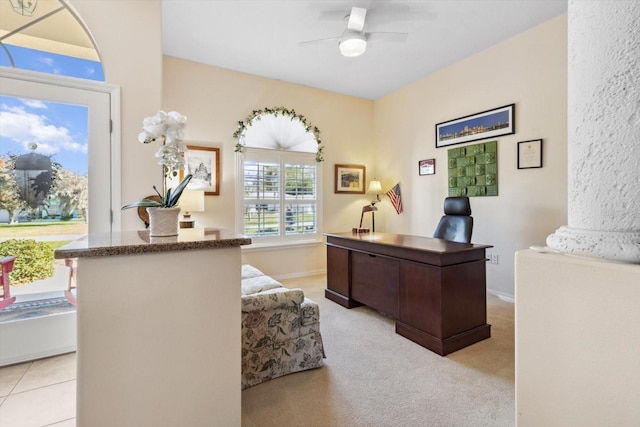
(279, 195)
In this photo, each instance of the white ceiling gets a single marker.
(262, 37)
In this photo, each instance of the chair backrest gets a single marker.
(6, 266)
(457, 223)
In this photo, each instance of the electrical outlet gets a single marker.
(493, 258)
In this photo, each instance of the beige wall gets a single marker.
(215, 99)
(388, 136)
(129, 41)
(577, 341)
(529, 70)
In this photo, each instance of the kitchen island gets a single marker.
(158, 336)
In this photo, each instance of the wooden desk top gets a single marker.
(415, 248)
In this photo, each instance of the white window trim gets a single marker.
(257, 247)
(277, 241)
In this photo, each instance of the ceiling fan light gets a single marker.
(353, 45)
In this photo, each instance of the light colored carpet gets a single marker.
(374, 377)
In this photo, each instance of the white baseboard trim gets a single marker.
(503, 295)
(300, 274)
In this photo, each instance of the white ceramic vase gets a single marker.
(163, 222)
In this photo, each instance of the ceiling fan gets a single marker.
(353, 41)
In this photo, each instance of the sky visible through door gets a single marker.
(57, 131)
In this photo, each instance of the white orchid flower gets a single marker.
(169, 129)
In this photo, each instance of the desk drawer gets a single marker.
(338, 270)
(374, 282)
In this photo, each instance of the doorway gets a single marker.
(92, 158)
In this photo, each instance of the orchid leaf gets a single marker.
(169, 201)
(157, 192)
(143, 204)
(173, 200)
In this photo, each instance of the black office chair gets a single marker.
(457, 223)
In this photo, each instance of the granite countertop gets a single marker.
(139, 242)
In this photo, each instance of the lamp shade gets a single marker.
(374, 187)
(192, 201)
(353, 44)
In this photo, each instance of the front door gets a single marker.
(55, 105)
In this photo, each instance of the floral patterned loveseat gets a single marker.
(280, 329)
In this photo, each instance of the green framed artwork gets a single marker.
(473, 170)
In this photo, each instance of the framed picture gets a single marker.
(487, 124)
(204, 164)
(427, 167)
(530, 154)
(350, 179)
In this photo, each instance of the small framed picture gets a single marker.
(427, 167)
(350, 179)
(204, 164)
(530, 154)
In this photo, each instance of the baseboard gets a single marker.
(299, 274)
(503, 295)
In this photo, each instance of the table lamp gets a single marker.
(374, 188)
(191, 201)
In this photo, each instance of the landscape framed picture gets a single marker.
(350, 179)
(487, 124)
(204, 164)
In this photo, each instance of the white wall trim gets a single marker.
(300, 274)
(503, 295)
(272, 246)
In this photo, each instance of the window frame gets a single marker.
(281, 157)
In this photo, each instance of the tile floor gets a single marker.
(43, 392)
(39, 393)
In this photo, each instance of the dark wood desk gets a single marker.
(435, 289)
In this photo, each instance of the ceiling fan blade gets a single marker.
(356, 19)
(308, 42)
(386, 36)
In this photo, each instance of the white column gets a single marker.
(603, 131)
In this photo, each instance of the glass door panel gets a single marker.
(55, 143)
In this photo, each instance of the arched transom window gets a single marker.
(279, 168)
(47, 36)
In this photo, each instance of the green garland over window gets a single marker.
(277, 111)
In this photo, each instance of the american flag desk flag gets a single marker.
(396, 198)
